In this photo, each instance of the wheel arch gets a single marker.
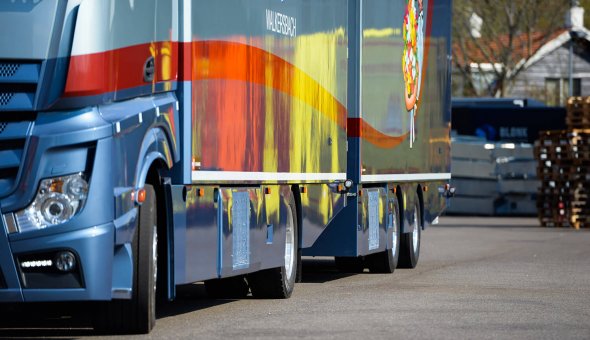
(153, 168)
(420, 194)
(296, 192)
(154, 151)
(297, 197)
(399, 195)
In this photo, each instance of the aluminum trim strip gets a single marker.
(405, 177)
(10, 223)
(240, 176)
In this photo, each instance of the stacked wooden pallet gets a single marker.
(578, 113)
(564, 170)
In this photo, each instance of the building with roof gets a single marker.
(546, 74)
(546, 63)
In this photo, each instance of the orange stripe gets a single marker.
(212, 63)
(217, 59)
(378, 138)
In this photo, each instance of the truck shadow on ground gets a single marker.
(500, 222)
(72, 320)
(321, 270)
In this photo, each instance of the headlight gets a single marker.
(58, 200)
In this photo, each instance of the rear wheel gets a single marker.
(410, 242)
(278, 283)
(386, 261)
(137, 315)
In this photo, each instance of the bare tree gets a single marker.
(510, 32)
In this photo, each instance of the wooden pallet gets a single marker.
(563, 156)
(564, 138)
(577, 122)
(578, 113)
(552, 222)
(564, 221)
(550, 179)
(565, 180)
(561, 151)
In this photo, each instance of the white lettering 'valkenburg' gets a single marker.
(281, 23)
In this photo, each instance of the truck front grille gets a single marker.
(8, 69)
(13, 139)
(5, 98)
(18, 84)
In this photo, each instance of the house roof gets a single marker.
(556, 43)
(494, 47)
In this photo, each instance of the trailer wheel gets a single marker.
(278, 283)
(227, 288)
(386, 261)
(137, 315)
(410, 242)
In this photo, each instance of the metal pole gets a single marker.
(355, 88)
(573, 3)
(571, 66)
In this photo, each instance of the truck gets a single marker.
(150, 144)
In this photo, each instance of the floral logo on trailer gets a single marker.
(413, 35)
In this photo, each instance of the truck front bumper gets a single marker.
(91, 278)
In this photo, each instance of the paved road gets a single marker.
(478, 278)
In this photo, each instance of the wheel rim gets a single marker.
(415, 232)
(394, 237)
(289, 245)
(155, 257)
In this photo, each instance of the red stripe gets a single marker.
(120, 69)
(354, 127)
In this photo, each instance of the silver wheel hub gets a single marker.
(394, 237)
(289, 245)
(415, 232)
(155, 256)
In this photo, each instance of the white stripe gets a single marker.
(405, 177)
(187, 26)
(107, 21)
(239, 176)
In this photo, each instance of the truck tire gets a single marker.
(385, 262)
(410, 242)
(227, 288)
(278, 283)
(137, 315)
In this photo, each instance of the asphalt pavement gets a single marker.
(477, 278)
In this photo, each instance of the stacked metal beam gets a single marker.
(492, 178)
(564, 170)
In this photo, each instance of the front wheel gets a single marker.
(278, 283)
(137, 315)
(410, 242)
